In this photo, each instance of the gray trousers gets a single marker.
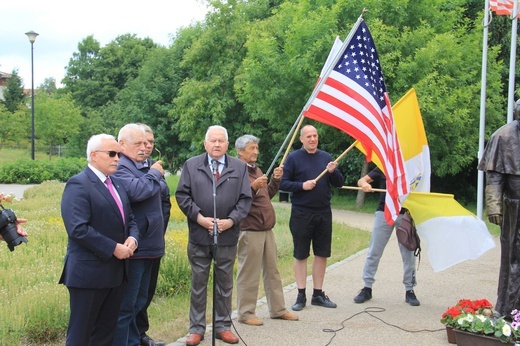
(381, 233)
(200, 258)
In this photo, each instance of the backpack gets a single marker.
(407, 233)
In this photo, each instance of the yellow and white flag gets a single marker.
(451, 233)
(413, 142)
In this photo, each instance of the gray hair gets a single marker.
(146, 128)
(128, 130)
(215, 127)
(241, 142)
(95, 142)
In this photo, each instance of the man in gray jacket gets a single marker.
(232, 200)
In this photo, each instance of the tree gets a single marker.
(13, 93)
(285, 53)
(207, 94)
(95, 75)
(79, 78)
(57, 120)
(149, 98)
(48, 86)
(13, 126)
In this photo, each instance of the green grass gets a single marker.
(9, 155)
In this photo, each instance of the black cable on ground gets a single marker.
(370, 311)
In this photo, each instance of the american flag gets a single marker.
(502, 7)
(353, 98)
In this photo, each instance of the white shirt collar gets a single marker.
(96, 171)
(222, 160)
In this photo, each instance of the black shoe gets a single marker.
(322, 300)
(148, 341)
(363, 295)
(301, 301)
(411, 298)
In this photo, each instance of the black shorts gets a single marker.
(307, 227)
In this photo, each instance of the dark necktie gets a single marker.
(110, 187)
(217, 171)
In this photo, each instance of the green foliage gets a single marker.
(149, 98)
(14, 127)
(13, 93)
(48, 86)
(28, 171)
(175, 275)
(58, 119)
(95, 75)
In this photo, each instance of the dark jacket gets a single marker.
(94, 226)
(144, 192)
(165, 195)
(195, 195)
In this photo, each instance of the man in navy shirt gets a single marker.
(311, 215)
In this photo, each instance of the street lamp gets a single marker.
(32, 37)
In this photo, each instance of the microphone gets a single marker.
(214, 166)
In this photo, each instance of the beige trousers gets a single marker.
(257, 253)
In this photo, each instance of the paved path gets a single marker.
(17, 189)
(353, 219)
(384, 320)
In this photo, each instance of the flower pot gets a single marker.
(471, 339)
(450, 333)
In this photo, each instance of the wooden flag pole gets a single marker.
(292, 140)
(360, 188)
(339, 158)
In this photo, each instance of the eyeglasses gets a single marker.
(110, 153)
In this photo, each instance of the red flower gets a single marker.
(483, 304)
(465, 306)
(453, 312)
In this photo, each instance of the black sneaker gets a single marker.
(148, 341)
(301, 301)
(322, 300)
(363, 295)
(411, 298)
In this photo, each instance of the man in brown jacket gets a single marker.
(256, 244)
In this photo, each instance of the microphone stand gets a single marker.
(215, 246)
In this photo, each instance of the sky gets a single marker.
(61, 25)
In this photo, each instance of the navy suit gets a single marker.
(93, 275)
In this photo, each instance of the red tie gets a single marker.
(110, 187)
(217, 173)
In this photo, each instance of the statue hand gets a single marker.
(495, 218)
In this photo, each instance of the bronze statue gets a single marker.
(501, 163)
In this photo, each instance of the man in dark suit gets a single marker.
(102, 234)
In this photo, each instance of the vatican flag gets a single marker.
(412, 140)
(451, 233)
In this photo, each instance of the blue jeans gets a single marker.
(135, 295)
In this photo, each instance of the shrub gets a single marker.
(28, 171)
